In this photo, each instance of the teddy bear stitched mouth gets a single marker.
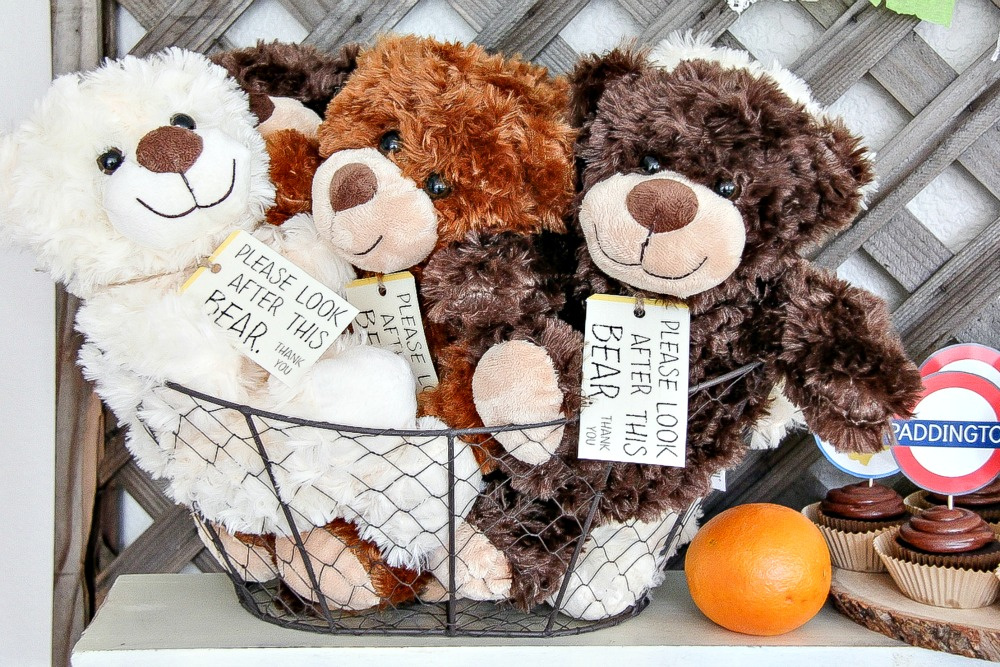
(372, 247)
(642, 254)
(197, 206)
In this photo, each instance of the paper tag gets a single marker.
(277, 314)
(635, 382)
(718, 481)
(392, 321)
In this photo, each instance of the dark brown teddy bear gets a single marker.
(703, 177)
(290, 86)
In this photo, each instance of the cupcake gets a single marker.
(943, 557)
(985, 502)
(949, 537)
(861, 508)
(850, 517)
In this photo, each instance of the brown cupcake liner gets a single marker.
(848, 551)
(856, 525)
(954, 587)
(918, 501)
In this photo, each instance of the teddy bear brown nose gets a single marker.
(169, 149)
(352, 185)
(662, 204)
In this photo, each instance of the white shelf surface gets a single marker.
(158, 620)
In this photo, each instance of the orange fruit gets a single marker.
(759, 569)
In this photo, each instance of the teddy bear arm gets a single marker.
(842, 361)
(490, 280)
(532, 376)
(294, 160)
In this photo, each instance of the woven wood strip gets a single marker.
(356, 22)
(849, 48)
(685, 16)
(192, 24)
(146, 492)
(950, 148)
(934, 121)
(953, 295)
(907, 250)
(116, 456)
(645, 12)
(477, 13)
(558, 56)
(166, 546)
(985, 327)
(982, 158)
(309, 13)
(913, 73)
(76, 30)
(147, 12)
(526, 26)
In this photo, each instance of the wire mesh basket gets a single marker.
(335, 577)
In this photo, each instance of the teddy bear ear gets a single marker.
(845, 176)
(297, 71)
(594, 73)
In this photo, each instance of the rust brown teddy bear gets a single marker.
(452, 164)
(704, 175)
(456, 166)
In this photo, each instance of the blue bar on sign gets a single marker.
(938, 433)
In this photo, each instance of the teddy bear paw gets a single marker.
(515, 382)
(251, 557)
(343, 581)
(482, 572)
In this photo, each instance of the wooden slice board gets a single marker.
(872, 600)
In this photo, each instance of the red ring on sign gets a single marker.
(977, 479)
(960, 352)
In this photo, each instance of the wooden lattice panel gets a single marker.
(944, 294)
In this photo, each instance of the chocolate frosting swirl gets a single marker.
(860, 501)
(988, 495)
(946, 531)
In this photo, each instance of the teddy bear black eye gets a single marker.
(110, 160)
(182, 120)
(727, 189)
(437, 187)
(390, 142)
(650, 164)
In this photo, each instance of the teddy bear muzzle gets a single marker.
(662, 233)
(371, 213)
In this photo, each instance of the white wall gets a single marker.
(27, 379)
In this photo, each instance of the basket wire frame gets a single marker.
(274, 601)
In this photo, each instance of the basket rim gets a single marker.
(250, 411)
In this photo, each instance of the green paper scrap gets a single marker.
(935, 11)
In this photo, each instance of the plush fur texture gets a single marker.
(294, 161)
(76, 209)
(298, 71)
(716, 138)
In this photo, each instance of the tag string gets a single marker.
(214, 267)
(640, 306)
(382, 291)
(202, 263)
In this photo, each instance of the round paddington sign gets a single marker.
(869, 466)
(952, 444)
(972, 358)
